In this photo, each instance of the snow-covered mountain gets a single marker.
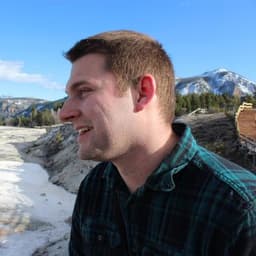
(10, 106)
(219, 81)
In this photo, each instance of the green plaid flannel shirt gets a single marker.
(195, 203)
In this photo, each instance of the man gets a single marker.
(156, 191)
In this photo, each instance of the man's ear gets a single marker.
(146, 90)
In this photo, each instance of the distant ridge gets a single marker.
(41, 106)
(3, 97)
(9, 106)
(218, 81)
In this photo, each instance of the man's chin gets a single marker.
(83, 156)
(87, 155)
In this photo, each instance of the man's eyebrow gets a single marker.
(75, 85)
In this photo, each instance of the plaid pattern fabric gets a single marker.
(195, 203)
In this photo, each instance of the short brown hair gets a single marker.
(129, 55)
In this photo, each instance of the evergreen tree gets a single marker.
(47, 118)
(33, 116)
(39, 118)
(195, 101)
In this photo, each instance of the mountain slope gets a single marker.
(41, 106)
(219, 81)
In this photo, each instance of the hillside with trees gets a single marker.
(212, 103)
(185, 104)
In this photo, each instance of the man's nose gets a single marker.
(68, 112)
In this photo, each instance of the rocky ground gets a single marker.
(57, 152)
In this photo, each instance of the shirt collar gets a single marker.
(112, 176)
(163, 177)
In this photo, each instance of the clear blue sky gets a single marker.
(198, 35)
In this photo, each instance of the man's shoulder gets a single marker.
(223, 192)
(231, 175)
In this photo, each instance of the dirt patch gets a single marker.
(217, 132)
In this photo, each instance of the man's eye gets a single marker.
(84, 92)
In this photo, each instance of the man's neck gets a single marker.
(137, 165)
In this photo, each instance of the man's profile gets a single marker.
(156, 192)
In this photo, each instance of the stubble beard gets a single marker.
(94, 152)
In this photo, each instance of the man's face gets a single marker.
(97, 110)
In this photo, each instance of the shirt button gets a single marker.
(100, 238)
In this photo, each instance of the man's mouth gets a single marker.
(84, 130)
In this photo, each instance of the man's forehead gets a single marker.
(89, 60)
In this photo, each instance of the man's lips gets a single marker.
(83, 130)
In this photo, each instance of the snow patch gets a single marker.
(32, 210)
